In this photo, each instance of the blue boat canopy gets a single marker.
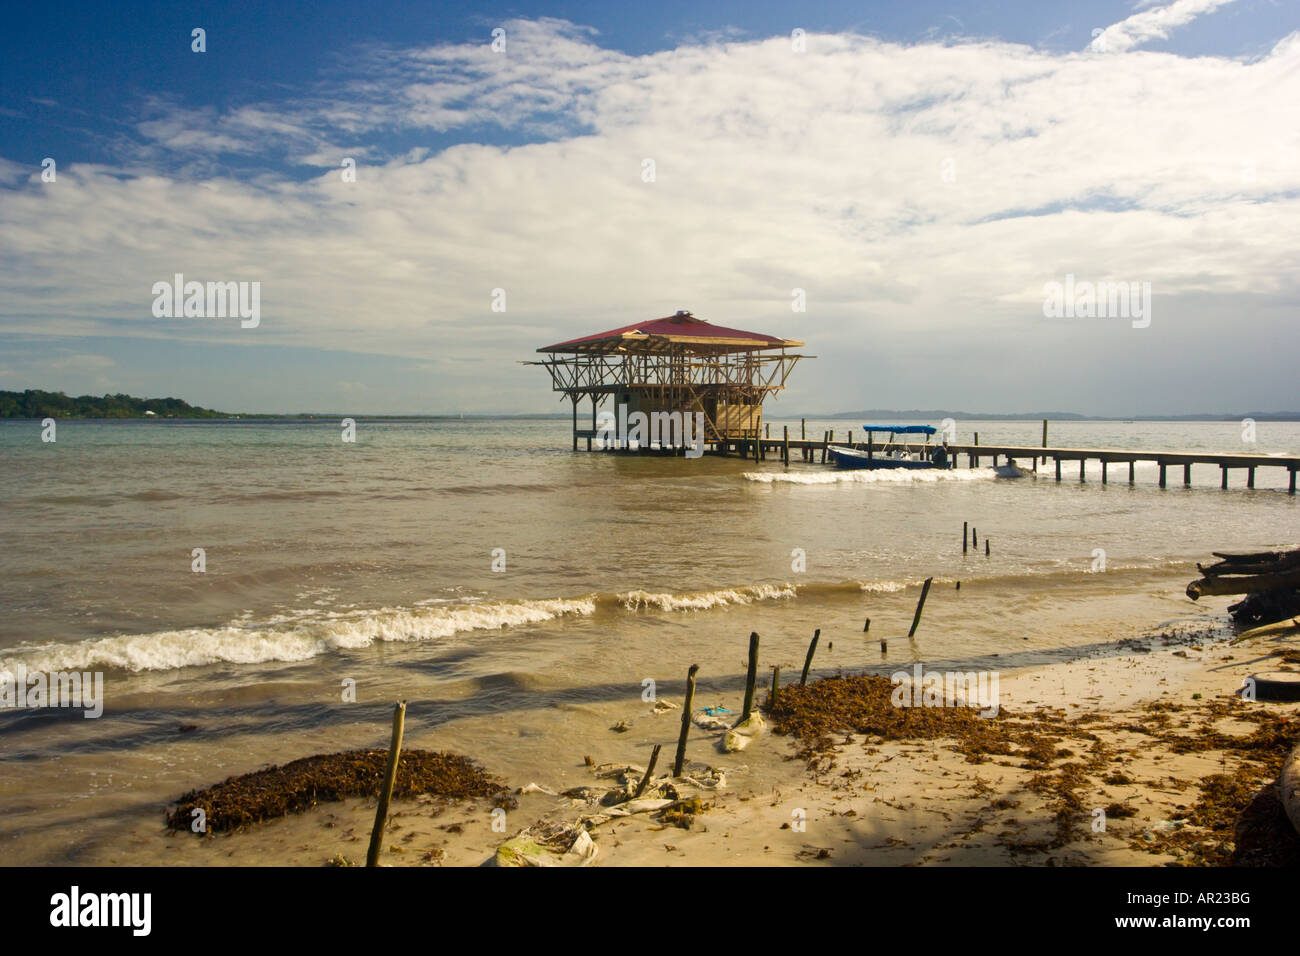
(902, 429)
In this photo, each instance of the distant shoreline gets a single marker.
(34, 405)
(506, 416)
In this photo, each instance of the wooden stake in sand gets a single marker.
(916, 618)
(807, 661)
(390, 777)
(686, 720)
(649, 771)
(751, 676)
(776, 684)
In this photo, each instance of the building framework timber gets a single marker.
(674, 365)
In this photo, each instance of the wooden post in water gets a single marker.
(767, 429)
(1058, 469)
(1250, 477)
(785, 448)
(866, 626)
(1044, 439)
(654, 759)
(390, 775)
(1104, 463)
(1162, 474)
(916, 618)
(1291, 489)
(965, 534)
(1082, 462)
(986, 547)
(751, 676)
(850, 438)
(974, 538)
(1187, 474)
(807, 661)
(776, 686)
(803, 432)
(1132, 470)
(1223, 483)
(686, 720)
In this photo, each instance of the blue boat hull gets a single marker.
(849, 458)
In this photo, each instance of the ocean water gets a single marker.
(372, 563)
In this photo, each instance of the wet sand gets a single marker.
(865, 801)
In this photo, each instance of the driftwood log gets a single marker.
(1269, 579)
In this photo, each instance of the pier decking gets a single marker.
(1032, 455)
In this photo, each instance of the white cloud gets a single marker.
(823, 170)
(1152, 24)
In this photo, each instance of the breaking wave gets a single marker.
(305, 639)
(304, 634)
(873, 476)
(704, 600)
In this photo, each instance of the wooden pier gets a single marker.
(815, 450)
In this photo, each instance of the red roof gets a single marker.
(682, 327)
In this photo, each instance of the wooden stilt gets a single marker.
(807, 661)
(916, 618)
(751, 676)
(686, 720)
(390, 774)
(649, 771)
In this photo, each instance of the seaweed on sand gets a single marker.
(299, 785)
(1203, 834)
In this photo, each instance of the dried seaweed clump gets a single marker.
(300, 785)
(863, 704)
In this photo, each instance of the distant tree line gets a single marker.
(33, 403)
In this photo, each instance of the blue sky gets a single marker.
(921, 170)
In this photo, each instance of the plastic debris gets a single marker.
(744, 733)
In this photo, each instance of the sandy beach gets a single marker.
(1131, 736)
